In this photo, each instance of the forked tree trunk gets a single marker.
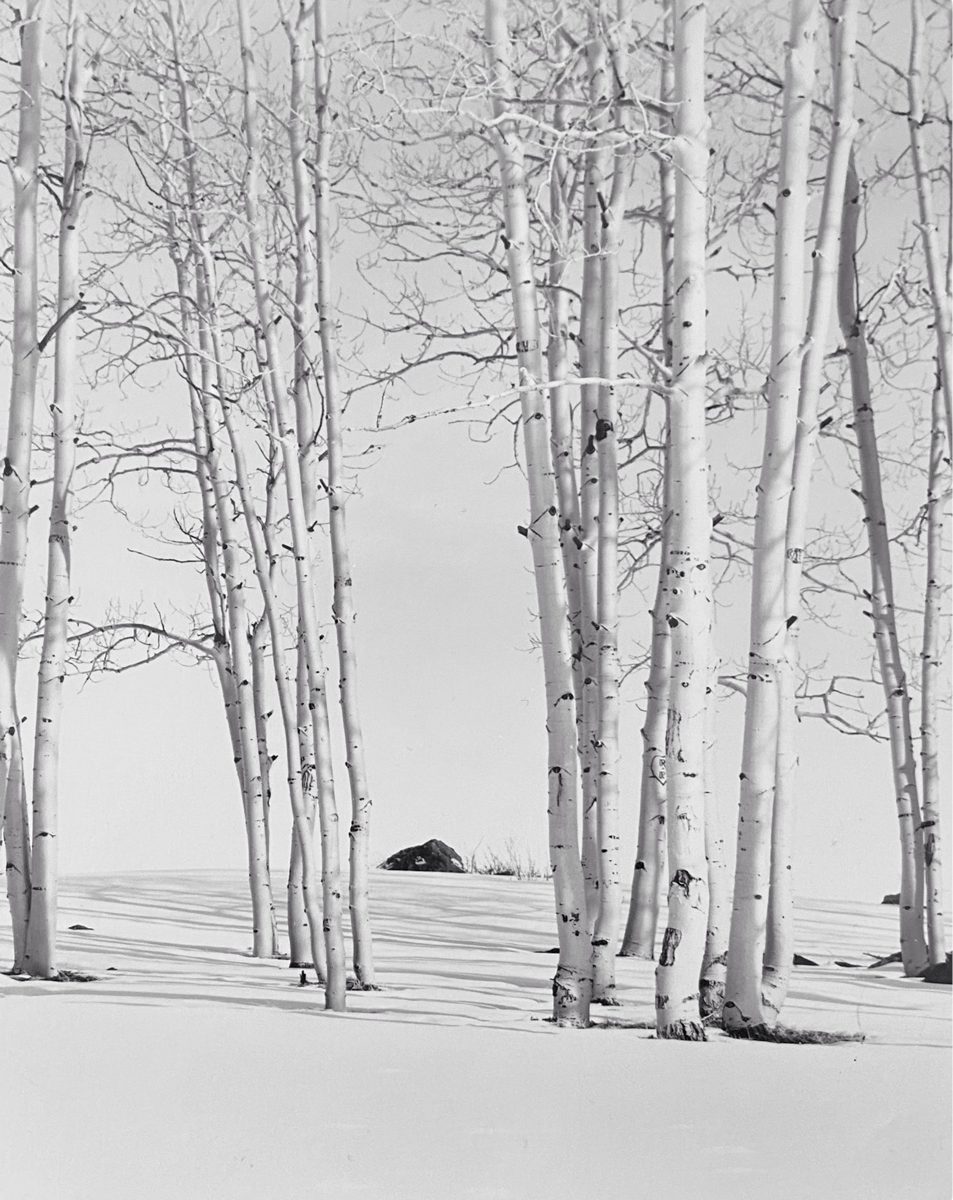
(641, 927)
(744, 1003)
(687, 600)
(343, 609)
(893, 679)
(779, 944)
(25, 353)
(931, 663)
(336, 983)
(40, 959)
(590, 322)
(939, 291)
(572, 986)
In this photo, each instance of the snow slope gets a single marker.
(188, 1070)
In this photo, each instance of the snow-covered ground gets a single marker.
(189, 1071)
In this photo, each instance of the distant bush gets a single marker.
(511, 861)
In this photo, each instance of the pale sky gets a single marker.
(451, 689)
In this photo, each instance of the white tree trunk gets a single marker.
(779, 944)
(711, 985)
(343, 609)
(299, 944)
(590, 340)
(687, 586)
(931, 664)
(16, 838)
(893, 679)
(939, 293)
(258, 648)
(606, 924)
(572, 986)
(642, 925)
(40, 959)
(25, 353)
(744, 1004)
(336, 983)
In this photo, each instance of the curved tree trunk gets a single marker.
(744, 1004)
(687, 589)
(893, 679)
(779, 944)
(572, 985)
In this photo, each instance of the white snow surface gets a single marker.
(187, 1070)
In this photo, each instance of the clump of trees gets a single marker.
(566, 196)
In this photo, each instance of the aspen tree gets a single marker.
(16, 837)
(204, 378)
(298, 936)
(687, 588)
(335, 987)
(287, 699)
(641, 928)
(711, 983)
(25, 353)
(572, 985)
(557, 363)
(893, 678)
(608, 670)
(40, 958)
(779, 945)
(258, 640)
(744, 1004)
(590, 322)
(343, 610)
(938, 288)
(931, 660)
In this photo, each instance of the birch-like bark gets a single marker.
(641, 927)
(336, 983)
(606, 923)
(557, 362)
(298, 937)
(590, 321)
(203, 380)
(572, 985)
(744, 1005)
(287, 699)
(939, 291)
(40, 959)
(711, 985)
(687, 588)
(931, 663)
(893, 679)
(16, 837)
(343, 609)
(25, 353)
(779, 943)
(258, 648)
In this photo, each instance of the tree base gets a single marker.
(607, 1001)
(355, 985)
(711, 998)
(683, 1031)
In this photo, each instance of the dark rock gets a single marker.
(891, 898)
(430, 856)
(939, 972)
(85, 928)
(801, 961)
